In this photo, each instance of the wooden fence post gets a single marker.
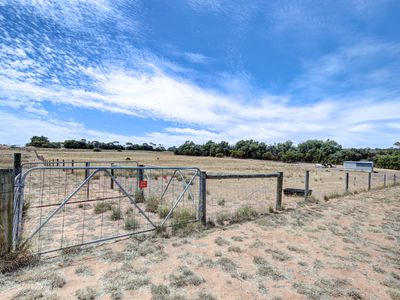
(279, 188)
(347, 182)
(394, 179)
(72, 165)
(203, 198)
(6, 209)
(306, 185)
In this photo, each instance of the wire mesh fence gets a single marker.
(238, 197)
(69, 203)
(62, 208)
(331, 183)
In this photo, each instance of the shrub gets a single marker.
(220, 241)
(131, 223)
(139, 196)
(183, 276)
(87, 293)
(102, 207)
(271, 209)
(219, 155)
(182, 217)
(234, 249)
(223, 217)
(163, 211)
(160, 292)
(152, 204)
(96, 150)
(221, 202)
(244, 213)
(116, 214)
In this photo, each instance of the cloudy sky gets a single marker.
(169, 71)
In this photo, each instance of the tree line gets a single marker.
(313, 151)
(44, 142)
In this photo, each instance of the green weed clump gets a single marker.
(139, 196)
(183, 276)
(131, 223)
(152, 204)
(116, 213)
(160, 292)
(102, 207)
(182, 217)
(244, 213)
(163, 211)
(223, 217)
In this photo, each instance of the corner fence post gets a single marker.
(279, 187)
(369, 180)
(6, 210)
(203, 198)
(306, 184)
(347, 182)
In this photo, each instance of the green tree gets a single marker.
(38, 141)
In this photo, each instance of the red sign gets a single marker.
(143, 184)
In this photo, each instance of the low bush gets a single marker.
(221, 202)
(131, 223)
(152, 204)
(116, 213)
(181, 217)
(223, 217)
(244, 213)
(163, 211)
(102, 207)
(139, 196)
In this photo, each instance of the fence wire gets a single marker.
(233, 199)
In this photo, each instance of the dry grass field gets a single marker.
(345, 247)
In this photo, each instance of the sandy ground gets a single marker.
(345, 248)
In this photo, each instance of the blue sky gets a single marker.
(170, 71)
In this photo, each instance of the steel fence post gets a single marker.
(279, 187)
(306, 184)
(384, 180)
(203, 197)
(369, 180)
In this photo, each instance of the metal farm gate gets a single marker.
(79, 203)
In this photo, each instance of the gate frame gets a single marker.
(19, 200)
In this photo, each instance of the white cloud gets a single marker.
(196, 58)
